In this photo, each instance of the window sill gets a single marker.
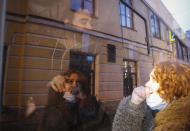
(161, 40)
(129, 28)
(157, 38)
(84, 13)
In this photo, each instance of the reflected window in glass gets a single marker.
(126, 15)
(155, 28)
(86, 6)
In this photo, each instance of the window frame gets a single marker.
(125, 15)
(132, 73)
(185, 53)
(179, 50)
(82, 8)
(188, 52)
(184, 50)
(156, 26)
(111, 53)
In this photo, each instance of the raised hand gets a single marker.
(139, 94)
(57, 83)
(31, 106)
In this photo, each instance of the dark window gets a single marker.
(155, 27)
(83, 5)
(4, 65)
(85, 63)
(126, 15)
(179, 50)
(111, 53)
(185, 53)
(189, 54)
(129, 76)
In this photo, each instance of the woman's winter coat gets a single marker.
(131, 117)
(62, 115)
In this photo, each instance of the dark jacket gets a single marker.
(92, 117)
(62, 117)
(84, 115)
(55, 98)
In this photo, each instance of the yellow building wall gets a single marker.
(37, 52)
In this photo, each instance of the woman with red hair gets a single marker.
(167, 92)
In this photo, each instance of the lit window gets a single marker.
(126, 17)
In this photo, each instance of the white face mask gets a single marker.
(69, 96)
(155, 102)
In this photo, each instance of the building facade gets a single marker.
(187, 33)
(115, 43)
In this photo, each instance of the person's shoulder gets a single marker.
(92, 99)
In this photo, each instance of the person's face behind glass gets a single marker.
(72, 82)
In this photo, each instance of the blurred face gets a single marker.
(68, 87)
(152, 85)
(72, 82)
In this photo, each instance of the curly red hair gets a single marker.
(173, 78)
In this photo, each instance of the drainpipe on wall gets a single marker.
(2, 34)
(146, 26)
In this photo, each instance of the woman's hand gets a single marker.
(31, 106)
(57, 83)
(139, 94)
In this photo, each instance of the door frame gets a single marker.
(92, 89)
(136, 72)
